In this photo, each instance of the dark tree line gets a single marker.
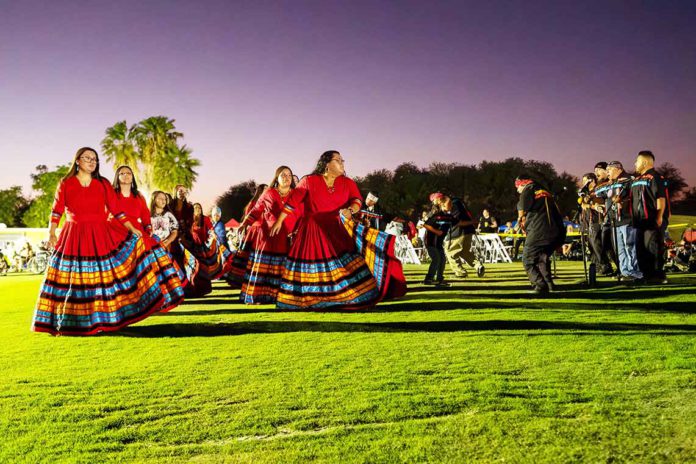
(404, 191)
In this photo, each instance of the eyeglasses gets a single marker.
(89, 159)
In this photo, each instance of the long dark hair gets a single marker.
(117, 185)
(199, 223)
(153, 206)
(257, 194)
(274, 182)
(323, 161)
(72, 172)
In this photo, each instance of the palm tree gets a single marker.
(176, 167)
(151, 149)
(154, 136)
(119, 148)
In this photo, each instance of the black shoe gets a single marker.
(657, 280)
(481, 271)
(428, 282)
(540, 291)
(632, 280)
(442, 284)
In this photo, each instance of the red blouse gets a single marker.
(200, 233)
(85, 204)
(136, 211)
(268, 208)
(317, 197)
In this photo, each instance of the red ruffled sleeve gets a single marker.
(262, 205)
(298, 195)
(354, 196)
(145, 219)
(112, 202)
(58, 203)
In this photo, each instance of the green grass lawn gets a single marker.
(478, 372)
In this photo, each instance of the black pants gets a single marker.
(599, 255)
(608, 247)
(650, 250)
(437, 263)
(537, 262)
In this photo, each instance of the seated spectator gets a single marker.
(571, 228)
(487, 224)
(512, 227)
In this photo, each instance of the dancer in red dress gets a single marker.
(99, 278)
(132, 203)
(335, 262)
(259, 261)
(203, 246)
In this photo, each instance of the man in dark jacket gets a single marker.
(592, 217)
(607, 233)
(541, 219)
(648, 205)
(619, 195)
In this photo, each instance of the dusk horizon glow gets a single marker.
(253, 85)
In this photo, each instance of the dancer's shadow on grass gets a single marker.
(539, 304)
(503, 326)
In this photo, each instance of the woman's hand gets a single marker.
(275, 228)
(346, 213)
(52, 240)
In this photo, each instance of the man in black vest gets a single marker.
(619, 197)
(541, 219)
(648, 205)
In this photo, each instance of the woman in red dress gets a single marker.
(259, 261)
(335, 262)
(203, 246)
(99, 278)
(132, 203)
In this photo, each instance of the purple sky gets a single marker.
(256, 84)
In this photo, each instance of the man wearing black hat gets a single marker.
(607, 232)
(592, 217)
(619, 194)
(541, 219)
(648, 207)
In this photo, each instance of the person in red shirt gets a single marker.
(134, 206)
(99, 278)
(257, 265)
(335, 262)
(203, 246)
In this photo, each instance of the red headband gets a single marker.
(435, 196)
(522, 182)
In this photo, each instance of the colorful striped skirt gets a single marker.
(336, 264)
(209, 265)
(258, 264)
(172, 279)
(85, 295)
